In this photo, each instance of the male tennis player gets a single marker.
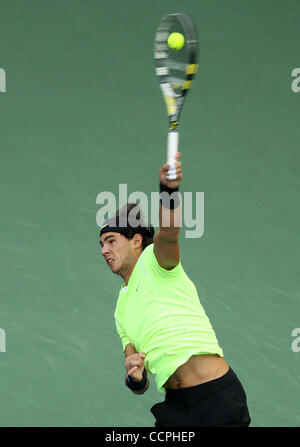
(162, 324)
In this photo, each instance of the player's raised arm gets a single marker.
(166, 247)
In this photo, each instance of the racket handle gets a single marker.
(173, 137)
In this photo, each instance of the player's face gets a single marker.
(117, 251)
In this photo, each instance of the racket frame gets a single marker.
(174, 100)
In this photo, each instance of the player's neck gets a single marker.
(128, 271)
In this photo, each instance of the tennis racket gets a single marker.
(175, 70)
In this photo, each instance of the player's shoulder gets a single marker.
(148, 250)
(147, 254)
(149, 263)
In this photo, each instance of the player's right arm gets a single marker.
(166, 248)
(134, 365)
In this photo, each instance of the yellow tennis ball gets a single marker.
(176, 41)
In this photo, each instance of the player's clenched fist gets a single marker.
(163, 173)
(134, 365)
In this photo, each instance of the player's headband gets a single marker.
(127, 231)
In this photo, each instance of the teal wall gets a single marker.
(82, 113)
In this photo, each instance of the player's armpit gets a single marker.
(166, 249)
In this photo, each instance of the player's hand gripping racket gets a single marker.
(175, 70)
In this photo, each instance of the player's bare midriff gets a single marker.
(198, 369)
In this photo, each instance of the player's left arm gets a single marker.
(166, 248)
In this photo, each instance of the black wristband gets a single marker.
(166, 188)
(169, 197)
(136, 386)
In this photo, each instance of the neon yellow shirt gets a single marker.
(159, 313)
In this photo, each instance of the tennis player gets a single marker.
(162, 325)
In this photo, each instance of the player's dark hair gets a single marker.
(146, 232)
(129, 221)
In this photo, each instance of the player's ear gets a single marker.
(137, 240)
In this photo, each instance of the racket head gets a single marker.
(175, 69)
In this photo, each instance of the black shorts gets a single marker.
(218, 403)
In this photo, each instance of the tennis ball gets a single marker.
(176, 41)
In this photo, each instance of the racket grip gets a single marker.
(173, 140)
